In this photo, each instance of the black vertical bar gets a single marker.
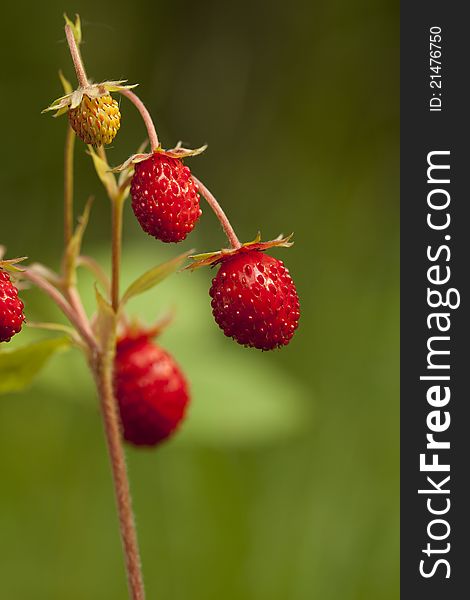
(424, 131)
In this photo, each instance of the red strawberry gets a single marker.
(151, 390)
(11, 308)
(165, 198)
(254, 300)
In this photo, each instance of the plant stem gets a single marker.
(103, 369)
(76, 57)
(68, 185)
(70, 290)
(117, 202)
(117, 206)
(81, 324)
(102, 359)
(151, 131)
(219, 213)
(154, 145)
(76, 303)
(104, 379)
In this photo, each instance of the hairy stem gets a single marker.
(117, 206)
(70, 290)
(219, 213)
(117, 203)
(104, 380)
(68, 184)
(103, 369)
(76, 303)
(76, 57)
(151, 131)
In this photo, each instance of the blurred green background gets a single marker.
(283, 483)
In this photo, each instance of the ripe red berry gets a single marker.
(254, 300)
(165, 198)
(11, 308)
(151, 390)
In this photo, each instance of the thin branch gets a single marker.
(76, 303)
(83, 327)
(149, 124)
(76, 57)
(219, 213)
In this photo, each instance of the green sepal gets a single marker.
(10, 265)
(177, 152)
(212, 258)
(94, 90)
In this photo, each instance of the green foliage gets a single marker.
(154, 276)
(73, 249)
(105, 321)
(19, 366)
(104, 173)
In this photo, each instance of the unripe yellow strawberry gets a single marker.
(96, 120)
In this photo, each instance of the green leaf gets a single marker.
(105, 325)
(75, 244)
(154, 276)
(103, 170)
(19, 366)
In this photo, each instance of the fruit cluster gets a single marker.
(253, 297)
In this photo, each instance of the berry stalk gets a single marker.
(75, 302)
(219, 213)
(103, 371)
(155, 145)
(81, 324)
(149, 124)
(76, 57)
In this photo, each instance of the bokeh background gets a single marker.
(283, 483)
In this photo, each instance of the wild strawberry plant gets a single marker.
(142, 391)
